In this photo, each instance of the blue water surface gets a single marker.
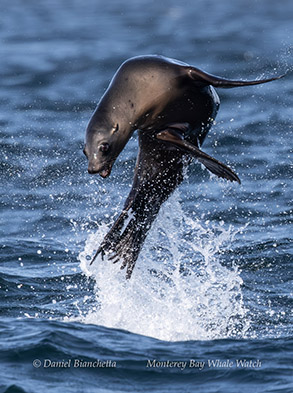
(230, 320)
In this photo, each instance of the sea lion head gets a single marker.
(114, 120)
(105, 139)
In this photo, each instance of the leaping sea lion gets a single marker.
(173, 106)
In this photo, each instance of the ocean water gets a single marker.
(209, 305)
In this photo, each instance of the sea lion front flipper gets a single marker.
(204, 78)
(213, 165)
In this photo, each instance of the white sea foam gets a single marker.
(179, 290)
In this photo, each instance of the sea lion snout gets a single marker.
(92, 170)
(103, 170)
(99, 157)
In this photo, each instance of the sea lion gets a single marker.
(173, 106)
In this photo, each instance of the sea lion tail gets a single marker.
(205, 78)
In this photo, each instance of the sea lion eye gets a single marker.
(104, 147)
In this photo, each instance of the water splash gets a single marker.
(179, 290)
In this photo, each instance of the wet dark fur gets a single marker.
(157, 174)
(173, 106)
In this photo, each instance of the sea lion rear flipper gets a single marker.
(113, 235)
(213, 165)
(205, 78)
(151, 188)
